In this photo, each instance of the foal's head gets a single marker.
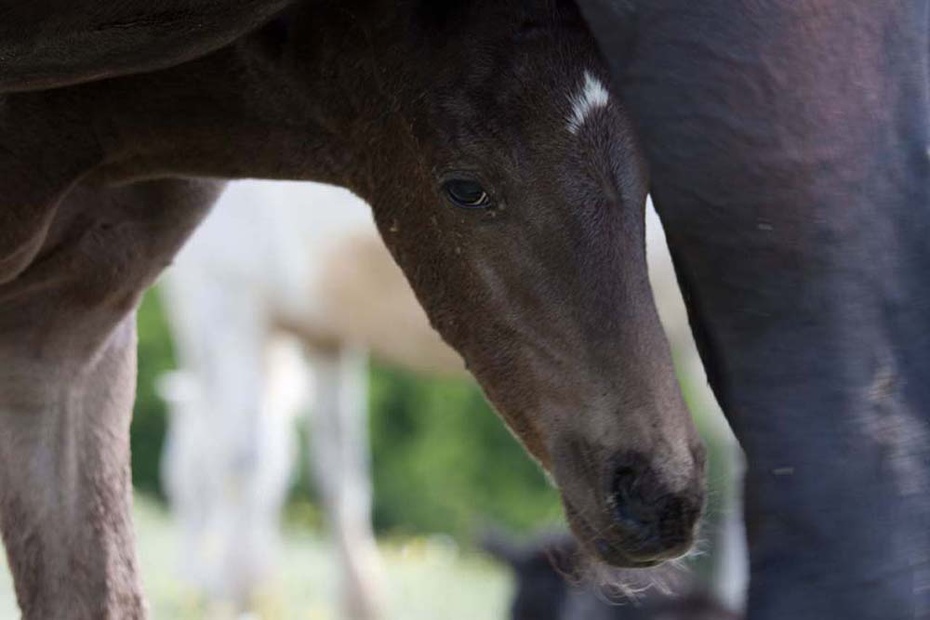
(507, 183)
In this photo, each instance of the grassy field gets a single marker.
(428, 579)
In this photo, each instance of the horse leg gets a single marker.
(787, 143)
(64, 479)
(67, 372)
(244, 476)
(341, 463)
(186, 466)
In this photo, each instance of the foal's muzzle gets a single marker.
(650, 522)
(641, 520)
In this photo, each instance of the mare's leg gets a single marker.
(67, 373)
(788, 148)
(341, 464)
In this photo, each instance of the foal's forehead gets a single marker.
(493, 15)
(568, 98)
(524, 92)
(542, 73)
(587, 99)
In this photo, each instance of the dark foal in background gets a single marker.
(550, 584)
(504, 177)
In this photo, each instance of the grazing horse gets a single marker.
(315, 273)
(504, 177)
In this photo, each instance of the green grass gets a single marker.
(427, 578)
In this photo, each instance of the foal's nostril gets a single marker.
(651, 520)
(631, 508)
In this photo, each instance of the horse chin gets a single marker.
(604, 543)
(609, 553)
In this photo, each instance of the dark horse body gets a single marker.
(788, 151)
(788, 147)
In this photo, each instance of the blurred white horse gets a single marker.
(274, 264)
(277, 264)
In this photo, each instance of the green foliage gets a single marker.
(444, 462)
(149, 421)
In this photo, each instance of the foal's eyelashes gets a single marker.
(467, 194)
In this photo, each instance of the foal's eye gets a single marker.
(466, 194)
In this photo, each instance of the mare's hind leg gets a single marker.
(67, 374)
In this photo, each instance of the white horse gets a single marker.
(276, 262)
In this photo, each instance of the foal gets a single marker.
(504, 178)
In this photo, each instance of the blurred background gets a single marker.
(445, 471)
